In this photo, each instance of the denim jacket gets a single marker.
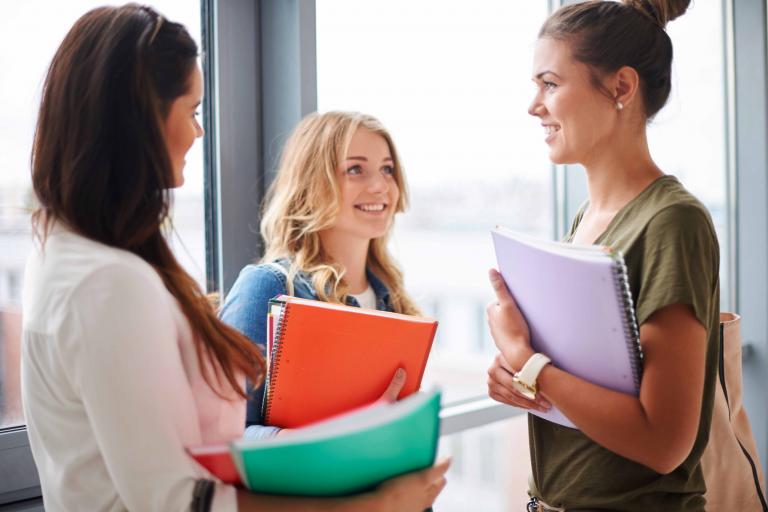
(247, 303)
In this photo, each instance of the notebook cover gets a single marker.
(330, 359)
(218, 461)
(332, 464)
(574, 311)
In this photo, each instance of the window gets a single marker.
(19, 103)
(698, 157)
(489, 468)
(472, 155)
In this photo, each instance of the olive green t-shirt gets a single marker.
(672, 257)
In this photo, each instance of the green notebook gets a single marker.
(346, 454)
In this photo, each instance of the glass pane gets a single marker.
(453, 90)
(688, 137)
(489, 468)
(28, 53)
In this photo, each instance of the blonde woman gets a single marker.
(327, 219)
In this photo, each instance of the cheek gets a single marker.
(180, 137)
(190, 134)
(394, 192)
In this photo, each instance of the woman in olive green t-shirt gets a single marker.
(603, 70)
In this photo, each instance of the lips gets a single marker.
(550, 131)
(371, 207)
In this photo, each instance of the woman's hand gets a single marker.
(394, 388)
(413, 492)
(500, 388)
(508, 327)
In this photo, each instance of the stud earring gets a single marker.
(619, 105)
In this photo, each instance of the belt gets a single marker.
(536, 505)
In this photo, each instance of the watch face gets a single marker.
(523, 389)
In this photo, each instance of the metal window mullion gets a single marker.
(455, 419)
(751, 204)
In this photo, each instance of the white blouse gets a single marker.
(111, 385)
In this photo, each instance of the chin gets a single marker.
(178, 176)
(561, 158)
(377, 233)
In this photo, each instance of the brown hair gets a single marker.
(607, 35)
(101, 167)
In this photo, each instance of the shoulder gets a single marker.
(246, 304)
(254, 278)
(666, 210)
(70, 273)
(682, 218)
(255, 284)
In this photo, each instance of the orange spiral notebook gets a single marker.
(326, 359)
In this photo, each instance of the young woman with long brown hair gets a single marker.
(603, 69)
(124, 360)
(326, 225)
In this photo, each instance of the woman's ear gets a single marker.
(625, 86)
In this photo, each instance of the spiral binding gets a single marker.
(266, 404)
(629, 320)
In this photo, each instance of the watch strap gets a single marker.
(531, 369)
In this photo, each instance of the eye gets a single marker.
(549, 85)
(355, 170)
(388, 170)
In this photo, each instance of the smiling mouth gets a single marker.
(550, 129)
(372, 207)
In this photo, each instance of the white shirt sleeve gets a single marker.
(122, 354)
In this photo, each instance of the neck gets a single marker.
(615, 176)
(351, 253)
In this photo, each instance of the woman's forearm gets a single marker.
(617, 421)
(247, 502)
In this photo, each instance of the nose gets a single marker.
(199, 132)
(536, 107)
(378, 183)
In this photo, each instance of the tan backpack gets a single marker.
(730, 463)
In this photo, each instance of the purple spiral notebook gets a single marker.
(579, 309)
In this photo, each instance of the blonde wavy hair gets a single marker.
(304, 199)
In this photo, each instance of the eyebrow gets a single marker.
(540, 75)
(364, 159)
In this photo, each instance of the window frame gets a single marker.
(265, 51)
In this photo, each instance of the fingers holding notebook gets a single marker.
(415, 491)
(507, 324)
(500, 388)
(395, 386)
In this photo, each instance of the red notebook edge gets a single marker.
(217, 460)
(426, 356)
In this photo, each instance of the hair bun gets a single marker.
(661, 11)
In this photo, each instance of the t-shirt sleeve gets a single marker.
(680, 263)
